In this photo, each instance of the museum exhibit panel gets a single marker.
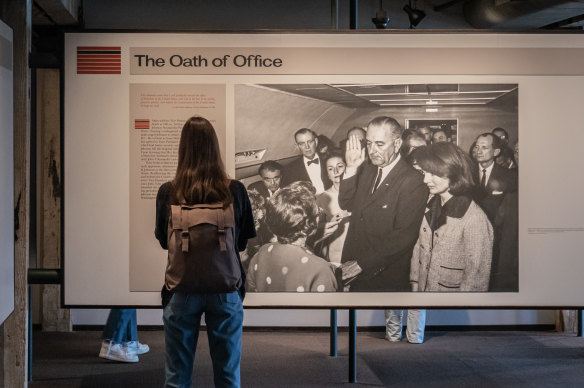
(257, 95)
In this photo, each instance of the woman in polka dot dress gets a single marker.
(287, 265)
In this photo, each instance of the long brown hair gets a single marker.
(200, 174)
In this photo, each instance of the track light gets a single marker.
(380, 20)
(415, 15)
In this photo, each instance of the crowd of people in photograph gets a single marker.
(387, 210)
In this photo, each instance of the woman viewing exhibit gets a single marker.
(288, 265)
(455, 244)
(328, 201)
(201, 180)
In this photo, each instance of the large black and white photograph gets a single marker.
(380, 187)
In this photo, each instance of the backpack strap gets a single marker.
(221, 228)
(180, 225)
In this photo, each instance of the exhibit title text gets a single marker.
(176, 60)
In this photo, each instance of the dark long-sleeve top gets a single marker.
(244, 226)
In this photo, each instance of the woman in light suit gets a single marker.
(455, 244)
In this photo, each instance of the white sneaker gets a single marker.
(116, 352)
(136, 347)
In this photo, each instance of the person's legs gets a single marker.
(393, 325)
(115, 329)
(114, 334)
(131, 341)
(224, 319)
(182, 319)
(132, 328)
(416, 326)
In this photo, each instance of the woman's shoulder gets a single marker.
(165, 190)
(476, 214)
(236, 187)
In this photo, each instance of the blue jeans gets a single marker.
(416, 325)
(121, 326)
(224, 320)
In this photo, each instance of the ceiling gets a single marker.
(454, 14)
(388, 95)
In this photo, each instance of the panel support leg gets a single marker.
(352, 346)
(579, 312)
(333, 332)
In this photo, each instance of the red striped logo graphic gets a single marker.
(142, 124)
(99, 60)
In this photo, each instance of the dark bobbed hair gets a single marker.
(396, 130)
(269, 165)
(292, 213)
(336, 153)
(447, 160)
(305, 130)
(497, 142)
(200, 174)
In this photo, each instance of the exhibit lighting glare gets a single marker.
(431, 110)
(415, 15)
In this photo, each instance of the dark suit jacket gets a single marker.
(384, 226)
(501, 181)
(296, 171)
(499, 202)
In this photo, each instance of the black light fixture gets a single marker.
(415, 15)
(380, 20)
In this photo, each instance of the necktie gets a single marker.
(484, 179)
(377, 180)
(315, 161)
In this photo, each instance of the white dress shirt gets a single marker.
(314, 172)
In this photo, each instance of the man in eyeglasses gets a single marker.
(271, 174)
(307, 167)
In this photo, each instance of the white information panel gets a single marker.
(128, 95)
(6, 175)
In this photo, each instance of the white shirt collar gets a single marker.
(387, 169)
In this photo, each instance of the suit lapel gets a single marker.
(386, 184)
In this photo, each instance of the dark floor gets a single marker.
(301, 359)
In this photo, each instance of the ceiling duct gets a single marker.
(486, 14)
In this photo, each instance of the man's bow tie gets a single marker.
(315, 161)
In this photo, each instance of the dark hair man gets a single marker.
(501, 134)
(496, 194)
(493, 180)
(426, 133)
(271, 174)
(440, 135)
(387, 198)
(307, 167)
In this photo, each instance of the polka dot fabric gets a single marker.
(289, 268)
